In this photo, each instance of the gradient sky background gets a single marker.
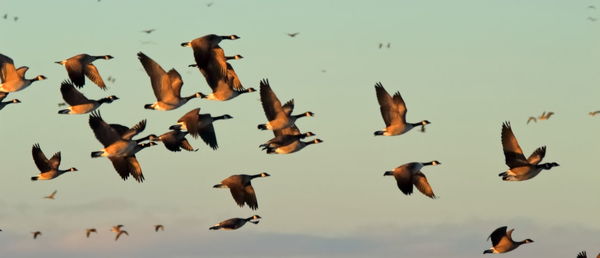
(464, 65)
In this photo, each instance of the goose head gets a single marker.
(388, 173)
(39, 78)
(264, 174)
(425, 122)
(108, 57)
(309, 113)
(250, 90)
(153, 138)
(16, 101)
(186, 44)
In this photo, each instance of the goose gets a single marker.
(174, 140)
(209, 56)
(148, 31)
(531, 118)
(166, 85)
(119, 230)
(520, 168)
(234, 223)
(544, 116)
(159, 227)
(80, 66)
(279, 116)
(502, 241)
(51, 196)
(14, 79)
(36, 234)
(78, 103)
(293, 35)
(241, 189)
(410, 174)
(594, 113)
(393, 110)
(89, 231)
(200, 124)
(292, 147)
(227, 87)
(3, 104)
(284, 137)
(119, 146)
(48, 168)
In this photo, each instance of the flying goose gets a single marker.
(520, 168)
(148, 31)
(119, 146)
(51, 196)
(209, 56)
(174, 140)
(119, 230)
(241, 189)
(80, 66)
(4, 103)
(234, 223)
(48, 168)
(166, 85)
(594, 113)
(393, 110)
(78, 103)
(89, 231)
(284, 137)
(293, 35)
(36, 234)
(279, 116)
(543, 116)
(502, 241)
(228, 87)
(116, 228)
(410, 174)
(159, 227)
(200, 124)
(14, 79)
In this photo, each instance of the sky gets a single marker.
(465, 65)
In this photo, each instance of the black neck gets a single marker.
(220, 117)
(105, 100)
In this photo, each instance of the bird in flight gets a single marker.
(594, 113)
(89, 231)
(159, 227)
(293, 35)
(36, 234)
(544, 116)
(502, 241)
(51, 196)
(148, 31)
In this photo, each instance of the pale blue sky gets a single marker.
(464, 65)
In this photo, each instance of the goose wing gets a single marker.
(176, 83)
(160, 80)
(404, 179)
(420, 181)
(191, 119)
(250, 197)
(7, 69)
(498, 235)
(126, 166)
(106, 134)
(21, 71)
(270, 102)
(513, 154)
(531, 118)
(288, 107)
(387, 106)
(582, 254)
(75, 71)
(207, 133)
(233, 79)
(292, 130)
(40, 159)
(133, 131)
(71, 95)
(92, 73)
(54, 161)
(537, 156)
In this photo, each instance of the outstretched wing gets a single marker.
(513, 154)
(71, 95)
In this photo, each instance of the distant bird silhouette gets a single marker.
(10, 101)
(48, 168)
(209, 4)
(159, 227)
(174, 140)
(51, 196)
(5, 16)
(78, 103)
(119, 230)
(14, 79)
(592, 19)
(235, 223)
(380, 45)
(410, 174)
(80, 66)
(591, 6)
(393, 110)
(543, 116)
(166, 85)
(111, 79)
(241, 189)
(293, 35)
(36, 234)
(521, 168)
(502, 241)
(594, 113)
(148, 31)
(200, 124)
(389, 45)
(15, 18)
(89, 231)
(278, 116)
